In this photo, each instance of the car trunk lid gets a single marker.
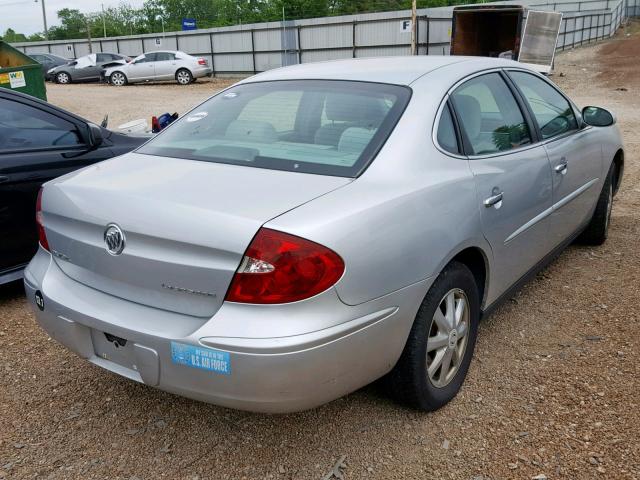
(186, 225)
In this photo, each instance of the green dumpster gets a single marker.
(20, 72)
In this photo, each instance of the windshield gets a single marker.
(86, 61)
(312, 126)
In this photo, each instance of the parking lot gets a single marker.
(552, 391)
(123, 104)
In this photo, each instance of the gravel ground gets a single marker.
(552, 392)
(139, 100)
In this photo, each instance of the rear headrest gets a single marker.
(251, 131)
(355, 139)
(470, 114)
(354, 108)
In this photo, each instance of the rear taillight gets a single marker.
(202, 61)
(281, 268)
(42, 236)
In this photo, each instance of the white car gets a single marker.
(160, 65)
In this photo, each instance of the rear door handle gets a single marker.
(493, 200)
(561, 167)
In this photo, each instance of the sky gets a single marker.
(25, 16)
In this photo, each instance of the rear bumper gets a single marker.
(276, 372)
(202, 71)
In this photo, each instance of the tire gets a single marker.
(598, 229)
(63, 78)
(410, 381)
(118, 79)
(184, 76)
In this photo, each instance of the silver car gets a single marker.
(315, 228)
(160, 65)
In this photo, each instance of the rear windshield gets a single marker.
(312, 126)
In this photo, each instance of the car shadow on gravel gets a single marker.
(11, 291)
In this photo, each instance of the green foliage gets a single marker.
(72, 25)
(127, 20)
(506, 137)
(11, 36)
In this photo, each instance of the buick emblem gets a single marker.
(114, 239)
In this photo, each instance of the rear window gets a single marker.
(311, 126)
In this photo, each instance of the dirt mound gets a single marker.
(617, 59)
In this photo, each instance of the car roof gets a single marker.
(397, 70)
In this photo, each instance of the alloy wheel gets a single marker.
(448, 335)
(117, 79)
(63, 78)
(183, 77)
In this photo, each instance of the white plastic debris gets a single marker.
(135, 126)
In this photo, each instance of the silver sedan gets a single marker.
(314, 228)
(160, 65)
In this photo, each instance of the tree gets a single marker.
(127, 20)
(173, 11)
(11, 36)
(72, 25)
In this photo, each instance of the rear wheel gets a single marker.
(184, 77)
(598, 229)
(63, 77)
(118, 79)
(439, 349)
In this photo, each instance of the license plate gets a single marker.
(201, 357)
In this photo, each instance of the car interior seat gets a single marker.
(251, 131)
(346, 111)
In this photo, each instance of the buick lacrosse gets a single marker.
(314, 228)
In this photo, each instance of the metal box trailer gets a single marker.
(498, 31)
(20, 72)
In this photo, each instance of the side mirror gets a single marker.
(95, 135)
(597, 117)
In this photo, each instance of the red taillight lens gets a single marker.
(202, 61)
(280, 268)
(42, 236)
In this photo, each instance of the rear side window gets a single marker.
(311, 126)
(552, 111)
(489, 115)
(446, 132)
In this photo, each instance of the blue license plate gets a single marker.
(201, 357)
